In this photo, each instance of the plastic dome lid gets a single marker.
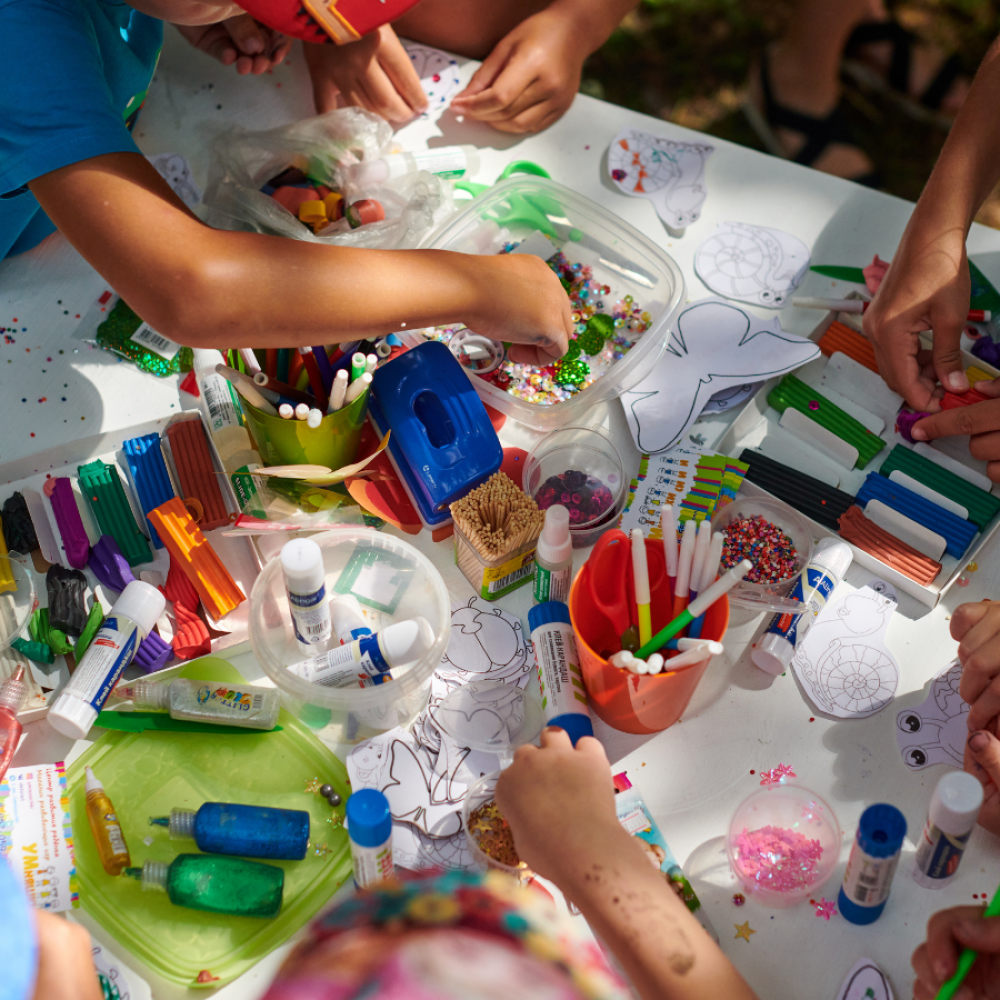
(490, 716)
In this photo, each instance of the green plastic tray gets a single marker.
(147, 774)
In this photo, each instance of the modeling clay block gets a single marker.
(178, 589)
(196, 471)
(18, 531)
(855, 345)
(93, 626)
(7, 581)
(40, 629)
(816, 499)
(987, 351)
(103, 487)
(793, 392)
(153, 653)
(861, 532)
(975, 375)
(186, 543)
(36, 651)
(109, 565)
(75, 542)
(67, 608)
(905, 420)
(956, 531)
(292, 197)
(149, 475)
(982, 506)
(953, 400)
(192, 638)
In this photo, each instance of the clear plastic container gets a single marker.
(494, 578)
(783, 844)
(17, 600)
(622, 257)
(769, 596)
(478, 795)
(382, 572)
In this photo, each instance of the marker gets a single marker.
(622, 660)
(286, 411)
(708, 576)
(640, 577)
(357, 366)
(338, 391)
(698, 606)
(249, 360)
(324, 366)
(302, 412)
(272, 388)
(314, 418)
(690, 656)
(654, 664)
(371, 363)
(968, 957)
(683, 584)
(244, 385)
(668, 525)
(691, 643)
(699, 563)
(357, 387)
(315, 379)
(383, 349)
(861, 306)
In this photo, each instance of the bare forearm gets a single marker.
(596, 18)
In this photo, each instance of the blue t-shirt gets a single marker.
(74, 75)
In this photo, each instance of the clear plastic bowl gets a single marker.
(17, 602)
(768, 596)
(780, 866)
(478, 795)
(624, 259)
(347, 715)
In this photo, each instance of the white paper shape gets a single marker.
(865, 981)
(715, 345)
(935, 731)
(439, 75)
(176, 171)
(843, 662)
(669, 174)
(116, 980)
(752, 263)
(726, 399)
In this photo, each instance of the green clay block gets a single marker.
(793, 392)
(36, 651)
(89, 630)
(106, 495)
(982, 506)
(41, 631)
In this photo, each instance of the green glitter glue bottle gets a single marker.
(215, 883)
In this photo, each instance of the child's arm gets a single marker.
(203, 287)
(559, 802)
(530, 79)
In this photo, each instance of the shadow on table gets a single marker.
(467, 131)
(707, 869)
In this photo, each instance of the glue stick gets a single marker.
(564, 699)
(830, 562)
(554, 556)
(950, 822)
(305, 584)
(451, 162)
(872, 864)
(369, 828)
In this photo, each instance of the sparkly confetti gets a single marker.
(825, 908)
(744, 931)
(972, 567)
(775, 774)
(739, 899)
(770, 550)
(493, 836)
(777, 859)
(584, 496)
(963, 581)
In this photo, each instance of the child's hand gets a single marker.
(65, 963)
(374, 73)
(977, 629)
(936, 960)
(560, 804)
(980, 422)
(240, 40)
(982, 761)
(530, 79)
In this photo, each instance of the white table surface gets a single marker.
(694, 774)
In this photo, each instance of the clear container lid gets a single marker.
(490, 716)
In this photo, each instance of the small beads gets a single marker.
(770, 550)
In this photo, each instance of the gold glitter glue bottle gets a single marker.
(104, 825)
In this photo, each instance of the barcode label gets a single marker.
(635, 821)
(147, 337)
(506, 581)
(257, 703)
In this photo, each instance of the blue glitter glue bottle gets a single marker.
(246, 831)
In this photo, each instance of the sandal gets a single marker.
(820, 133)
(894, 83)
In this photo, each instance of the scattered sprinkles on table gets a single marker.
(770, 550)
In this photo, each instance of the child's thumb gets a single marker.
(246, 34)
(985, 749)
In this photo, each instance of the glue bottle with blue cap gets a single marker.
(872, 864)
(564, 698)
(369, 826)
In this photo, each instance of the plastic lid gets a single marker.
(72, 717)
(302, 566)
(141, 603)
(881, 830)
(404, 642)
(369, 821)
(490, 716)
(575, 724)
(205, 360)
(773, 654)
(93, 784)
(13, 691)
(554, 543)
(145, 695)
(546, 613)
(955, 803)
(833, 555)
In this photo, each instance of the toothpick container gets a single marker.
(494, 578)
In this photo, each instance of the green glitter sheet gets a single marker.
(114, 335)
(148, 774)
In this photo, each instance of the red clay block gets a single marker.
(196, 471)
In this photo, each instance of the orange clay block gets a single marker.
(842, 338)
(953, 400)
(858, 530)
(194, 554)
(193, 460)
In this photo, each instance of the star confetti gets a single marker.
(774, 776)
(744, 931)
(825, 908)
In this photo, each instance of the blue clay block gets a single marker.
(149, 476)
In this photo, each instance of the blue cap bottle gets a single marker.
(872, 864)
(369, 825)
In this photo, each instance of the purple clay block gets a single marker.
(905, 422)
(109, 565)
(74, 536)
(987, 351)
(67, 589)
(153, 653)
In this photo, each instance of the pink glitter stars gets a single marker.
(775, 774)
(777, 859)
(825, 908)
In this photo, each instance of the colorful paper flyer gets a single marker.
(36, 837)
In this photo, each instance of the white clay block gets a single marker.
(930, 543)
(866, 388)
(928, 494)
(949, 463)
(864, 416)
(47, 541)
(812, 434)
(782, 447)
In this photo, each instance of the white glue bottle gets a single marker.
(451, 162)
(349, 622)
(950, 822)
(305, 584)
(564, 698)
(369, 827)
(554, 557)
(368, 660)
(131, 618)
(830, 562)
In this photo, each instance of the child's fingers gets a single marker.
(483, 78)
(398, 67)
(281, 45)
(966, 621)
(505, 91)
(978, 418)
(554, 738)
(986, 704)
(592, 747)
(534, 119)
(947, 350)
(985, 750)
(247, 35)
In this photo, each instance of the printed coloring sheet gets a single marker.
(935, 731)
(865, 981)
(439, 75)
(665, 482)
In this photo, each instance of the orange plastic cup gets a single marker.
(637, 703)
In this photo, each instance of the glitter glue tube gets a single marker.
(369, 827)
(564, 698)
(554, 556)
(369, 659)
(104, 825)
(950, 822)
(305, 584)
(205, 701)
(246, 831)
(830, 562)
(349, 622)
(452, 162)
(872, 864)
(13, 693)
(131, 619)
